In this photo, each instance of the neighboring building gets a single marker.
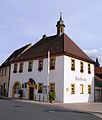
(5, 70)
(71, 73)
(98, 83)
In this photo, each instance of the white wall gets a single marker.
(62, 76)
(69, 78)
(56, 76)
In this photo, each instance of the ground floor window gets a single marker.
(72, 88)
(52, 86)
(16, 88)
(40, 87)
(81, 89)
(89, 89)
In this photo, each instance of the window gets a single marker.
(61, 28)
(22, 85)
(89, 68)
(52, 87)
(40, 65)
(72, 64)
(15, 68)
(21, 67)
(25, 85)
(16, 88)
(81, 67)
(30, 66)
(5, 71)
(72, 88)
(89, 89)
(52, 63)
(40, 87)
(0, 73)
(81, 89)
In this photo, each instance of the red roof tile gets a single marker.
(56, 45)
(14, 55)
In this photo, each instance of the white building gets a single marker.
(5, 70)
(71, 73)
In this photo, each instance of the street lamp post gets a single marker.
(48, 73)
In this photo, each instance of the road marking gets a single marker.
(51, 111)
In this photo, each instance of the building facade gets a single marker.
(4, 78)
(98, 83)
(68, 71)
(5, 70)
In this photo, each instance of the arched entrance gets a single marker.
(31, 88)
(15, 89)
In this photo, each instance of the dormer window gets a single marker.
(40, 65)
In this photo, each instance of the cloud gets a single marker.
(95, 53)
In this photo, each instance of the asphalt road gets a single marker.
(14, 110)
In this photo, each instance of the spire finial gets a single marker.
(60, 15)
(60, 25)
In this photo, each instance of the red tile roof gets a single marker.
(14, 55)
(56, 45)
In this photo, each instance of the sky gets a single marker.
(25, 21)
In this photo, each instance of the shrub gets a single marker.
(52, 95)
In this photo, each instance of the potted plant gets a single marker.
(52, 96)
(20, 93)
